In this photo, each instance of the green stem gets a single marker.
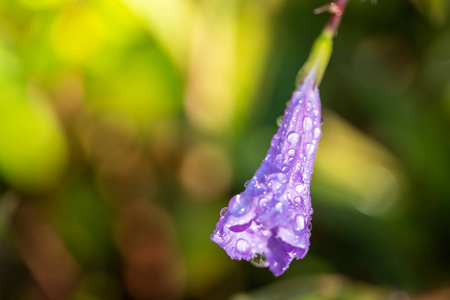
(321, 51)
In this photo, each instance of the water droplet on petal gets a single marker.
(223, 211)
(226, 238)
(246, 184)
(298, 97)
(279, 121)
(300, 188)
(306, 177)
(259, 260)
(285, 169)
(263, 202)
(298, 200)
(309, 226)
(317, 133)
(281, 177)
(308, 107)
(239, 206)
(291, 152)
(310, 148)
(294, 138)
(276, 186)
(307, 124)
(299, 224)
(279, 207)
(242, 246)
(316, 112)
(268, 159)
(279, 158)
(275, 140)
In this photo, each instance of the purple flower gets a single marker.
(269, 224)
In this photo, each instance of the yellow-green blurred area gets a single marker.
(126, 125)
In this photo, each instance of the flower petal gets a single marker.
(270, 219)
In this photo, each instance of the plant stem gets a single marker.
(321, 51)
(336, 9)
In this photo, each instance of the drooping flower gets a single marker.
(269, 223)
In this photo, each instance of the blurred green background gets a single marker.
(126, 125)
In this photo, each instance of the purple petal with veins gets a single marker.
(268, 224)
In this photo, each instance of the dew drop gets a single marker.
(300, 188)
(246, 184)
(307, 124)
(263, 202)
(294, 138)
(298, 200)
(242, 246)
(259, 260)
(239, 206)
(268, 159)
(275, 140)
(285, 169)
(298, 97)
(310, 148)
(279, 121)
(280, 177)
(309, 226)
(291, 152)
(288, 196)
(226, 238)
(223, 211)
(317, 133)
(316, 112)
(308, 107)
(279, 158)
(279, 207)
(276, 186)
(299, 224)
(305, 177)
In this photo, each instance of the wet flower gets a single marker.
(269, 223)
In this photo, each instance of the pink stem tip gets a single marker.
(336, 9)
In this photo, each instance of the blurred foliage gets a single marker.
(126, 125)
